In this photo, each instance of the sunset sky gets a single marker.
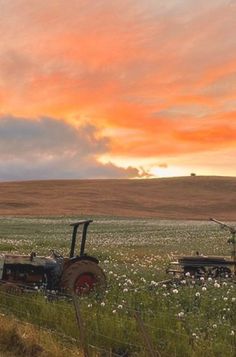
(117, 88)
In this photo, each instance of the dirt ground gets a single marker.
(166, 198)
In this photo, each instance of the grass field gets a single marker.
(193, 318)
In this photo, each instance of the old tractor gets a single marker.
(207, 266)
(77, 274)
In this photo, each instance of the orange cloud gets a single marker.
(158, 78)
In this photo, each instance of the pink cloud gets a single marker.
(165, 69)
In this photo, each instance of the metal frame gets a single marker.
(232, 240)
(75, 226)
(203, 265)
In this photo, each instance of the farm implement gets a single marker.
(207, 266)
(77, 274)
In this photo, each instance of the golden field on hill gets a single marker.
(166, 198)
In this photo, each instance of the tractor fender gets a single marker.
(84, 257)
(71, 261)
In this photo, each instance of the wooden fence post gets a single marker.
(80, 326)
(145, 336)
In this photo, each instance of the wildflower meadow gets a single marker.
(181, 317)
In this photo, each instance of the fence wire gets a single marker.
(27, 307)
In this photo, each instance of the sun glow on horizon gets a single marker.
(148, 167)
(169, 171)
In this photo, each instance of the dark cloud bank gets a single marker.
(47, 148)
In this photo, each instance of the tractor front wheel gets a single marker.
(83, 277)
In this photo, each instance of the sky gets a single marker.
(117, 88)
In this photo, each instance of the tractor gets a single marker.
(77, 274)
(207, 266)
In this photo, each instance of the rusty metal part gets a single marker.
(79, 273)
(209, 266)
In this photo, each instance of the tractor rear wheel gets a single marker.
(83, 277)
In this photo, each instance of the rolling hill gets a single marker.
(166, 198)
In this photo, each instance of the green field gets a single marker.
(193, 318)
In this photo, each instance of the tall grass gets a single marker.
(19, 339)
